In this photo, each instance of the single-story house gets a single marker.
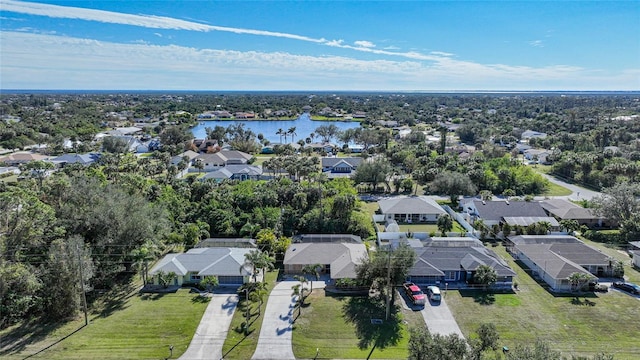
(9, 170)
(566, 210)
(192, 266)
(189, 155)
(539, 155)
(411, 209)
(554, 258)
(234, 172)
(212, 162)
(634, 251)
(335, 167)
(18, 158)
(530, 134)
(82, 159)
(123, 131)
(493, 212)
(338, 260)
(322, 147)
(453, 261)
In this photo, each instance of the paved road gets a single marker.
(440, 320)
(579, 193)
(275, 336)
(211, 333)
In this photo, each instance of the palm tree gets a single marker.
(312, 270)
(280, 132)
(257, 261)
(292, 132)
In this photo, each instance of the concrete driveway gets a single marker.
(211, 333)
(439, 319)
(275, 335)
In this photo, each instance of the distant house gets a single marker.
(454, 261)
(525, 221)
(82, 159)
(195, 264)
(123, 131)
(322, 147)
(338, 260)
(132, 143)
(539, 155)
(566, 210)
(411, 209)
(190, 155)
(493, 212)
(555, 258)
(18, 158)
(212, 162)
(234, 172)
(335, 167)
(530, 134)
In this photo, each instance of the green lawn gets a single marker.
(557, 190)
(132, 326)
(237, 345)
(340, 327)
(602, 322)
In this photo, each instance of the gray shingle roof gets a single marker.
(410, 205)
(205, 261)
(564, 209)
(553, 264)
(333, 161)
(452, 258)
(496, 210)
(342, 258)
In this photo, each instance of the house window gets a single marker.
(196, 277)
(450, 275)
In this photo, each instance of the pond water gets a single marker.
(303, 124)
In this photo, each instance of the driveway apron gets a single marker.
(275, 335)
(211, 333)
(440, 320)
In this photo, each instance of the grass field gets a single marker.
(237, 345)
(133, 326)
(341, 328)
(601, 322)
(557, 190)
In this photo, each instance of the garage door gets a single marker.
(230, 280)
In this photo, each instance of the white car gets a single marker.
(433, 292)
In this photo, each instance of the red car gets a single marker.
(414, 293)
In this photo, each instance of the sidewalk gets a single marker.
(209, 338)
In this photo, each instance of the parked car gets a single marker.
(414, 293)
(433, 292)
(628, 287)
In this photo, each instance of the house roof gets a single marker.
(124, 131)
(435, 260)
(567, 210)
(189, 153)
(496, 210)
(557, 266)
(410, 205)
(635, 244)
(228, 171)
(221, 157)
(543, 239)
(22, 157)
(334, 161)
(83, 159)
(528, 220)
(225, 242)
(205, 261)
(341, 257)
(531, 134)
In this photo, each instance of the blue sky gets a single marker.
(320, 45)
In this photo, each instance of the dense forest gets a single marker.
(92, 227)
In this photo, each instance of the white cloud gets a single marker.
(536, 43)
(441, 53)
(364, 43)
(74, 63)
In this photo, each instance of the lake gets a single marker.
(303, 124)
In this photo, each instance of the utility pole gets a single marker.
(84, 295)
